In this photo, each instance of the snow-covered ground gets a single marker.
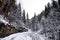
(24, 36)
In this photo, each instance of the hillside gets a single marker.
(49, 21)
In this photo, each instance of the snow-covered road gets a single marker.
(24, 36)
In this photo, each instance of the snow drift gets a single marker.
(24, 36)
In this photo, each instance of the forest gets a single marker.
(13, 20)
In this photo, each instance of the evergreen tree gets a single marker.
(46, 11)
(34, 22)
(24, 18)
(19, 11)
(48, 5)
(27, 18)
(45, 8)
(12, 2)
(54, 3)
(59, 2)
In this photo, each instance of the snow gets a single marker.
(2, 20)
(24, 36)
(17, 36)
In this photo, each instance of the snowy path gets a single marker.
(24, 36)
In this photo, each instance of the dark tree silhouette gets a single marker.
(24, 18)
(54, 3)
(48, 5)
(27, 18)
(59, 2)
(46, 11)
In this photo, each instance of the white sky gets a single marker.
(33, 6)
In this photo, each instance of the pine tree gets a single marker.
(27, 21)
(46, 8)
(48, 5)
(24, 18)
(34, 22)
(11, 2)
(19, 11)
(59, 2)
(54, 3)
(46, 11)
(27, 18)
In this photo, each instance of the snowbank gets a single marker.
(24, 36)
(17, 36)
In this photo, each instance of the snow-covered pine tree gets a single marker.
(27, 17)
(18, 13)
(24, 17)
(34, 23)
(27, 20)
(19, 9)
(46, 11)
(54, 3)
